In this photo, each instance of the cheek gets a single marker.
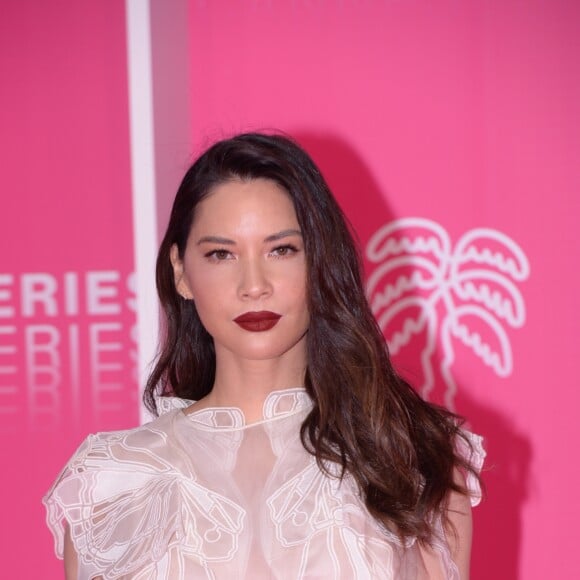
(300, 296)
(210, 313)
(209, 284)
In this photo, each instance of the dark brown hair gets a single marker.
(400, 450)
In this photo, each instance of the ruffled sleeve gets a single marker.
(113, 494)
(63, 501)
(55, 504)
(128, 500)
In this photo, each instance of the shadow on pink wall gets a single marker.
(498, 521)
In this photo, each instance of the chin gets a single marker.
(266, 348)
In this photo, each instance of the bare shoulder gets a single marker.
(459, 531)
(71, 563)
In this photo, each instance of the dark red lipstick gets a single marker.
(258, 321)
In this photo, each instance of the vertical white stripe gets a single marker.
(143, 180)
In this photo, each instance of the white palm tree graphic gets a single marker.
(422, 284)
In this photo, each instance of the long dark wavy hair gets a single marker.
(400, 450)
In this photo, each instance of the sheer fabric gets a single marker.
(206, 496)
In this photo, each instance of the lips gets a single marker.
(257, 321)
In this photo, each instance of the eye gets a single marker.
(283, 251)
(218, 255)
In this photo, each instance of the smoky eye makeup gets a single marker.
(284, 250)
(282, 244)
(218, 254)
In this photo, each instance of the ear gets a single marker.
(181, 284)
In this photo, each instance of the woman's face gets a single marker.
(245, 268)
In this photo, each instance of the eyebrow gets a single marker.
(215, 240)
(227, 242)
(283, 234)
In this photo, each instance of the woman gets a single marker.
(287, 446)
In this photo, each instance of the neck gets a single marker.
(246, 383)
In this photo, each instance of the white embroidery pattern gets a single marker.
(132, 505)
(311, 512)
(421, 284)
(169, 501)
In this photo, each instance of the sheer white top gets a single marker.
(206, 496)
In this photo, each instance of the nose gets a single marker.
(254, 280)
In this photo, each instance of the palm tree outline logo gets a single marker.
(420, 283)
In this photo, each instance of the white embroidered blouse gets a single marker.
(206, 496)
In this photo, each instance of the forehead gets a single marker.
(245, 203)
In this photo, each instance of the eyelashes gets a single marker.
(285, 250)
(218, 255)
(279, 252)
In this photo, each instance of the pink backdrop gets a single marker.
(464, 115)
(66, 293)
